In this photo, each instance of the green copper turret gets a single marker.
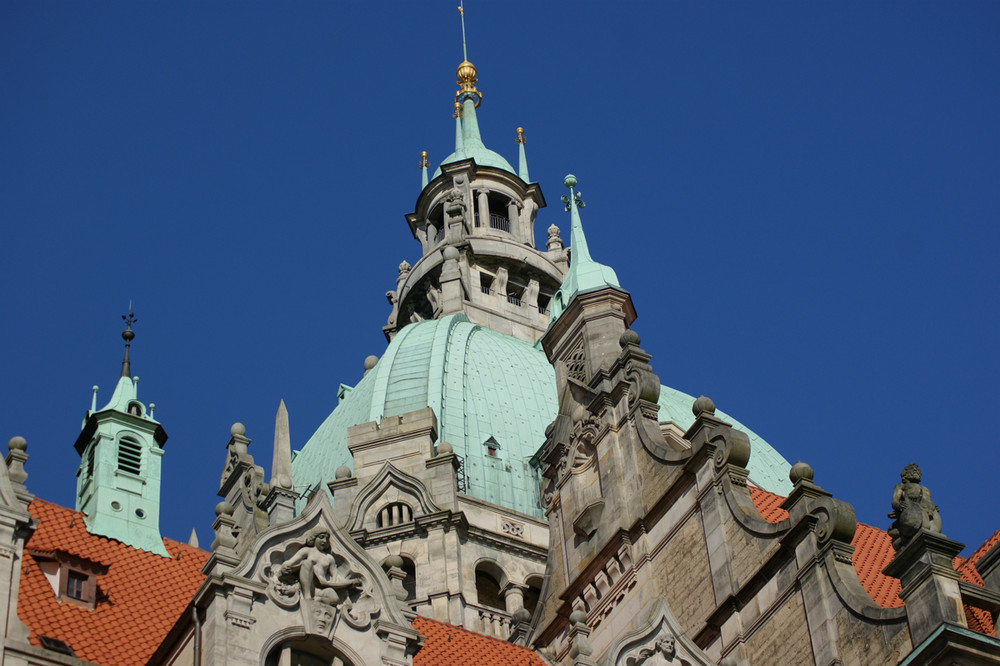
(584, 273)
(120, 447)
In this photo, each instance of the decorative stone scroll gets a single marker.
(321, 582)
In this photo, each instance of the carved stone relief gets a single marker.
(321, 582)
(663, 652)
(511, 528)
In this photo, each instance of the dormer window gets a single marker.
(492, 447)
(73, 579)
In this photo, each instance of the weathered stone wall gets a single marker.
(783, 638)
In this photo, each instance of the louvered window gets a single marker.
(130, 456)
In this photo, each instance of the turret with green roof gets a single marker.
(120, 446)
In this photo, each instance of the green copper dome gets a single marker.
(488, 390)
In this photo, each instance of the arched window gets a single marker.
(129, 456)
(532, 594)
(393, 514)
(488, 584)
(410, 581)
(305, 652)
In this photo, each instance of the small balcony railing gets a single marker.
(496, 222)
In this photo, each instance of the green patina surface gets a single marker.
(483, 386)
(469, 144)
(104, 483)
(584, 273)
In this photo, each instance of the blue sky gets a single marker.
(801, 198)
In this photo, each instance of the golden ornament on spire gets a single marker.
(466, 73)
(458, 110)
(423, 160)
(520, 136)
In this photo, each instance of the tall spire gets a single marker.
(584, 273)
(522, 160)
(468, 142)
(128, 335)
(423, 169)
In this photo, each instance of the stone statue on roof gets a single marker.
(912, 508)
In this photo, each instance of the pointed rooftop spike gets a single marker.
(281, 463)
(423, 169)
(522, 160)
(128, 335)
(193, 539)
(584, 273)
(461, 11)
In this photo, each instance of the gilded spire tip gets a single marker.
(423, 160)
(520, 136)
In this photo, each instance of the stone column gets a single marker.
(930, 583)
(515, 222)
(513, 596)
(484, 210)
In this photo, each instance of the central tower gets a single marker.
(475, 222)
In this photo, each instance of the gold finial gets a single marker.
(466, 73)
(423, 160)
(458, 110)
(520, 136)
(466, 70)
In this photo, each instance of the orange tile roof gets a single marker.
(145, 593)
(873, 552)
(447, 645)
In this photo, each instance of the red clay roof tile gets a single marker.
(447, 645)
(140, 596)
(873, 551)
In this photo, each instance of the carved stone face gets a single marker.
(322, 618)
(666, 646)
(323, 542)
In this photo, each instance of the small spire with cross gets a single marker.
(128, 335)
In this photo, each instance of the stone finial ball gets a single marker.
(569, 180)
(445, 449)
(394, 561)
(238, 430)
(17, 443)
(343, 472)
(370, 362)
(553, 231)
(629, 337)
(703, 405)
(578, 617)
(800, 471)
(450, 253)
(224, 508)
(522, 614)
